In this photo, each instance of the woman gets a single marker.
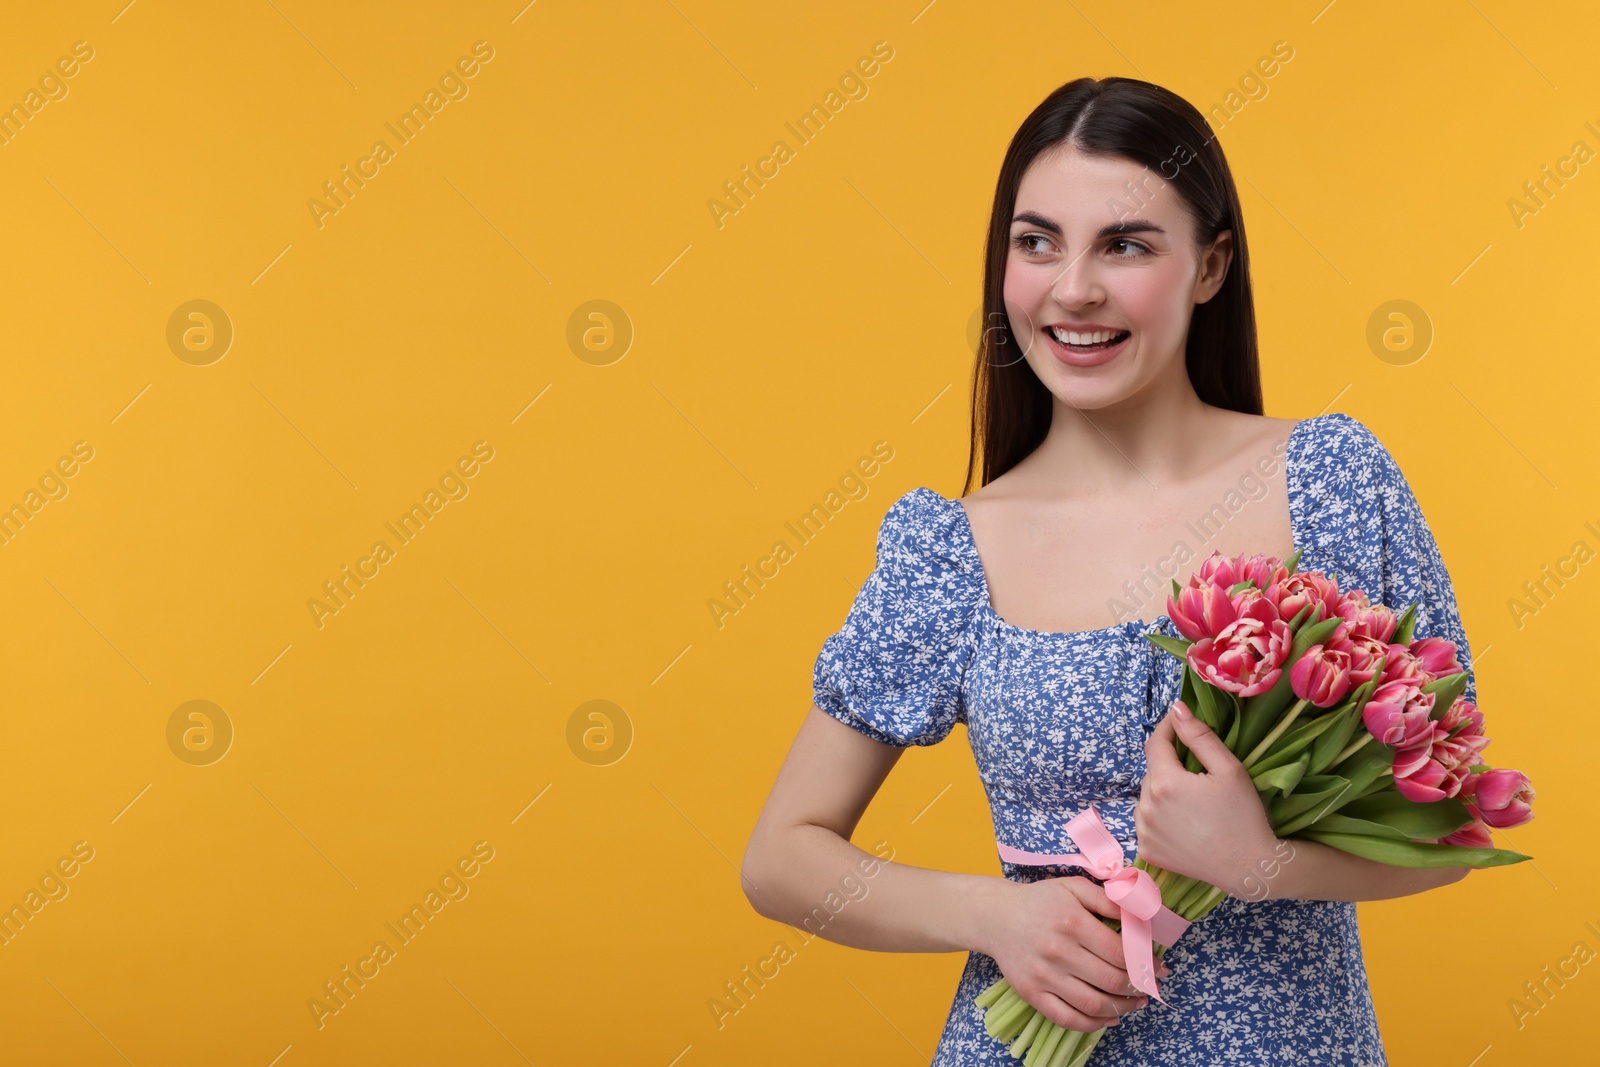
(1118, 408)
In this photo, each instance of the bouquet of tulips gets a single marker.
(1356, 736)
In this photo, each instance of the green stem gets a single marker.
(1029, 1031)
(1277, 732)
(1005, 1001)
(1350, 748)
(995, 991)
(1067, 1051)
(1045, 1047)
(1209, 901)
(1175, 888)
(1009, 1023)
(1197, 892)
(1087, 1048)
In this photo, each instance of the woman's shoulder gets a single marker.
(926, 531)
(1344, 450)
(1340, 431)
(1332, 437)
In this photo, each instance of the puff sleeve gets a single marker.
(1399, 556)
(894, 670)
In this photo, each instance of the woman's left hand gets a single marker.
(1211, 825)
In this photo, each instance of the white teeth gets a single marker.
(1067, 337)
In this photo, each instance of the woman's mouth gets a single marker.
(1080, 351)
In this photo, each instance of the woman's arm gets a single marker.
(800, 867)
(1309, 870)
(1212, 825)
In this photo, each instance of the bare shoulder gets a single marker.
(1258, 434)
(1008, 487)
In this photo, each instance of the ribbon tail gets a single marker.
(1137, 952)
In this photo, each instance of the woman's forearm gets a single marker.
(815, 880)
(1310, 870)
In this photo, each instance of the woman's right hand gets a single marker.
(1052, 947)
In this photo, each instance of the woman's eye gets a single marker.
(1022, 242)
(1134, 248)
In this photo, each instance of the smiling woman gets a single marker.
(1117, 398)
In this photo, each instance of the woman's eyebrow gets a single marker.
(1113, 230)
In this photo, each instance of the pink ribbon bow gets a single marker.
(1144, 918)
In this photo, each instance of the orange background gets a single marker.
(644, 450)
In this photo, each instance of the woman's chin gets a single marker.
(1089, 396)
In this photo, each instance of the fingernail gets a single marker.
(1181, 710)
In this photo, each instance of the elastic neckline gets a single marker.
(1132, 626)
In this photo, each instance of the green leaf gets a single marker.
(1333, 742)
(1186, 693)
(1445, 690)
(1414, 853)
(1175, 645)
(1366, 765)
(1233, 729)
(1415, 820)
(1291, 743)
(1314, 792)
(1283, 779)
(1293, 561)
(1205, 706)
(1406, 625)
(1338, 823)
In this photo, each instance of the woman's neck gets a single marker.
(1145, 442)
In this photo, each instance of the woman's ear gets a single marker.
(1214, 262)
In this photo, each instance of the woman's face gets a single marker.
(1102, 245)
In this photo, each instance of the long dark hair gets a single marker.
(1132, 119)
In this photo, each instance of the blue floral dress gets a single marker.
(1059, 720)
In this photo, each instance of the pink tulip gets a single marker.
(1397, 714)
(1261, 569)
(1400, 664)
(1474, 835)
(1417, 777)
(1367, 618)
(1201, 610)
(1364, 653)
(1217, 569)
(1504, 798)
(1437, 655)
(1292, 593)
(1247, 657)
(1429, 772)
(1458, 740)
(1436, 758)
(1321, 676)
(1254, 604)
(1463, 720)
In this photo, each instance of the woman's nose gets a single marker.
(1078, 284)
